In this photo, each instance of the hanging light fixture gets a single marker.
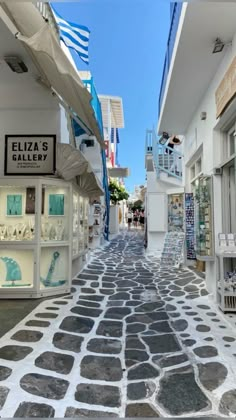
(163, 139)
(16, 64)
(218, 46)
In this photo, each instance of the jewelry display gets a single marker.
(3, 231)
(59, 230)
(10, 233)
(46, 230)
(20, 231)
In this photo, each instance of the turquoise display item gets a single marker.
(14, 205)
(56, 205)
(48, 282)
(13, 273)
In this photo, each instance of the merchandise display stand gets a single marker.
(203, 197)
(189, 222)
(172, 254)
(176, 212)
(80, 231)
(226, 279)
(95, 225)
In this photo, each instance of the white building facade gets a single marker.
(197, 101)
(43, 214)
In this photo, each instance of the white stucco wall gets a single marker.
(156, 211)
(208, 135)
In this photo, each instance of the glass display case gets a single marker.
(176, 212)
(81, 224)
(80, 228)
(35, 237)
(86, 224)
(75, 242)
(203, 198)
(95, 224)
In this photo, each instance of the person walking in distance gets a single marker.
(136, 217)
(130, 218)
(141, 219)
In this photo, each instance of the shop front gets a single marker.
(44, 232)
(226, 173)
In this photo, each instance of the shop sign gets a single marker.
(226, 90)
(30, 154)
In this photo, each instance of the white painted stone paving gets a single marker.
(132, 340)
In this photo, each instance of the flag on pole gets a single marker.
(74, 36)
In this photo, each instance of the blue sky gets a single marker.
(126, 51)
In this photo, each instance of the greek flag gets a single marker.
(74, 36)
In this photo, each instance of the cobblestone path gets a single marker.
(132, 340)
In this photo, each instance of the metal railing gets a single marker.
(48, 15)
(165, 158)
(96, 105)
(175, 17)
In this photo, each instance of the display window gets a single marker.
(55, 217)
(17, 213)
(35, 237)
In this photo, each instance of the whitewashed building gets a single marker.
(197, 100)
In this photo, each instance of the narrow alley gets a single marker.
(132, 340)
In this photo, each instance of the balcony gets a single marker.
(162, 161)
(89, 84)
(175, 16)
(48, 15)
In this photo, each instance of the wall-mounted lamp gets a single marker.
(163, 139)
(16, 64)
(219, 46)
(203, 116)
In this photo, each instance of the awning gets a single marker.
(118, 172)
(56, 69)
(90, 184)
(70, 162)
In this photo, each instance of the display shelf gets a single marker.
(189, 226)
(226, 298)
(204, 238)
(175, 212)
(54, 244)
(95, 224)
(204, 257)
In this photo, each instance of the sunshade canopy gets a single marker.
(118, 172)
(90, 184)
(55, 67)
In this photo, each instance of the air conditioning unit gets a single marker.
(217, 171)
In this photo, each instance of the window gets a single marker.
(230, 142)
(229, 197)
(196, 168)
